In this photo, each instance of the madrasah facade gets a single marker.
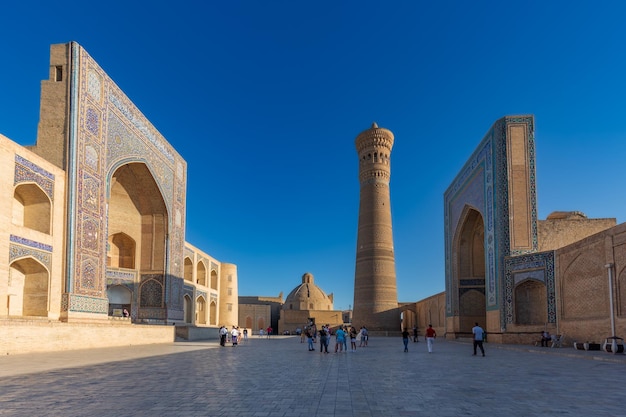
(92, 243)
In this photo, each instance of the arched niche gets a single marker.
(121, 251)
(188, 309)
(120, 298)
(531, 305)
(28, 288)
(188, 269)
(213, 279)
(32, 208)
(201, 312)
(201, 275)
(213, 313)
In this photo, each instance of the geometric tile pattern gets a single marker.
(17, 252)
(151, 293)
(84, 304)
(31, 243)
(26, 171)
(107, 131)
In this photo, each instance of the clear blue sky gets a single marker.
(265, 98)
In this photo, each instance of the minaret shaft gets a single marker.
(375, 291)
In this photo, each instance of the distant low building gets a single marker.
(259, 312)
(308, 304)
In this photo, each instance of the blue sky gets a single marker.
(265, 98)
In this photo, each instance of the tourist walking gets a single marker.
(309, 338)
(340, 338)
(245, 334)
(364, 336)
(414, 334)
(324, 336)
(431, 335)
(223, 332)
(353, 336)
(234, 335)
(479, 335)
(405, 339)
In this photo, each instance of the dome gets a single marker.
(566, 215)
(308, 296)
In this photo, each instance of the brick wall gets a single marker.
(33, 336)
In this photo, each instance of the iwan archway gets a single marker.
(490, 212)
(137, 243)
(470, 270)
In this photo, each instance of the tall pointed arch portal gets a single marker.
(470, 271)
(137, 212)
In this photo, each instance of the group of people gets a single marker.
(477, 332)
(232, 336)
(341, 334)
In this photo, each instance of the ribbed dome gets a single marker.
(308, 296)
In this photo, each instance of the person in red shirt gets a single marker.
(431, 335)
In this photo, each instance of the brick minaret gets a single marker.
(375, 291)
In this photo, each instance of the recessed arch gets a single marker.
(28, 288)
(136, 207)
(121, 253)
(188, 309)
(531, 303)
(188, 271)
(201, 310)
(408, 318)
(201, 275)
(32, 208)
(120, 298)
(151, 294)
(213, 313)
(469, 246)
(213, 279)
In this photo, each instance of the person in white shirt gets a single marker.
(479, 334)
(234, 335)
(223, 333)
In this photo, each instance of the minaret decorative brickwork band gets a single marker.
(375, 291)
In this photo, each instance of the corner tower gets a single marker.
(375, 291)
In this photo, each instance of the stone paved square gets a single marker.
(280, 377)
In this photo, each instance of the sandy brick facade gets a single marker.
(93, 224)
(561, 229)
(259, 312)
(583, 303)
(518, 275)
(32, 218)
(20, 337)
